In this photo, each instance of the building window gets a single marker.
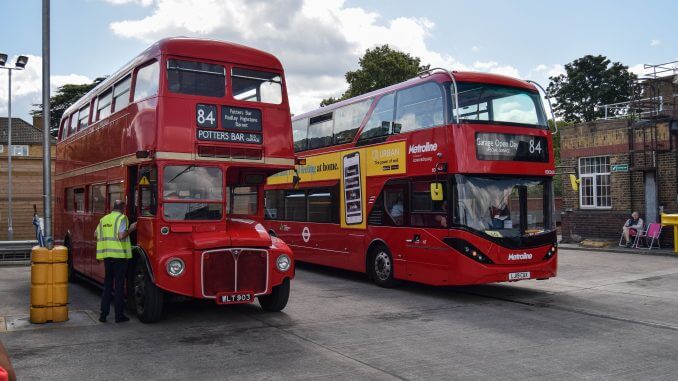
(19, 150)
(594, 188)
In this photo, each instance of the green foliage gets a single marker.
(379, 67)
(65, 96)
(590, 81)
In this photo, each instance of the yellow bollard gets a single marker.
(49, 284)
(672, 220)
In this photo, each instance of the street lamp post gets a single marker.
(20, 64)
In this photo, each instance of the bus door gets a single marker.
(145, 191)
(424, 249)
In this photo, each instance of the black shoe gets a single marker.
(121, 319)
(102, 319)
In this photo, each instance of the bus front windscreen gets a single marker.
(192, 192)
(494, 104)
(504, 207)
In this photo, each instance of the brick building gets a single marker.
(26, 176)
(624, 164)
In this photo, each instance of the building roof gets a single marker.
(22, 132)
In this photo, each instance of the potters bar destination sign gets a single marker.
(240, 124)
(508, 147)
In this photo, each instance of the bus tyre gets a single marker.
(380, 267)
(277, 299)
(148, 298)
(72, 278)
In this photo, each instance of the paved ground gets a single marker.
(606, 316)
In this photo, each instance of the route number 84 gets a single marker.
(535, 148)
(210, 118)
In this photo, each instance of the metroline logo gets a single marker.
(420, 148)
(519, 256)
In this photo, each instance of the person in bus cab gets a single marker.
(397, 210)
(115, 249)
(500, 214)
(631, 228)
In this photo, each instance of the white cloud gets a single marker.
(655, 42)
(317, 41)
(144, 3)
(476, 49)
(27, 86)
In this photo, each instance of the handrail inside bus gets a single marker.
(553, 115)
(428, 72)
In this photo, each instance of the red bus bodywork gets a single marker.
(455, 254)
(124, 152)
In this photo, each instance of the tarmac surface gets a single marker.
(606, 316)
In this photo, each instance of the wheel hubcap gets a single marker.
(382, 266)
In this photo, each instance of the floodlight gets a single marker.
(3, 59)
(21, 62)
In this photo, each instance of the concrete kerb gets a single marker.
(663, 252)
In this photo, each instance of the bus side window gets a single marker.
(394, 203)
(148, 191)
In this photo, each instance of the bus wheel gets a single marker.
(276, 300)
(380, 267)
(147, 296)
(72, 278)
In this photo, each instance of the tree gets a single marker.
(588, 82)
(65, 96)
(379, 67)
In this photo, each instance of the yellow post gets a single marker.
(672, 220)
(49, 284)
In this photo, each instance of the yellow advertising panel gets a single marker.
(351, 168)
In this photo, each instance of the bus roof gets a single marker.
(459, 76)
(189, 47)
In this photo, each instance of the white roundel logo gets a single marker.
(306, 234)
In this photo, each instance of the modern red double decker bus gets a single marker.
(445, 179)
(186, 133)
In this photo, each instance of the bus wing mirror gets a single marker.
(295, 180)
(397, 127)
(574, 182)
(437, 193)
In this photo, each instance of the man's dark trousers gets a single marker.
(116, 269)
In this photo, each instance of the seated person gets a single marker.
(396, 210)
(442, 218)
(499, 215)
(631, 228)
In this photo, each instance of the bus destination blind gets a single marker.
(229, 137)
(509, 147)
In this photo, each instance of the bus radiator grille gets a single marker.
(232, 270)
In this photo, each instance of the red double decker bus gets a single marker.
(186, 133)
(445, 179)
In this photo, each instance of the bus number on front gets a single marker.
(206, 116)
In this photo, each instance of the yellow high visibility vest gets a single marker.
(108, 244)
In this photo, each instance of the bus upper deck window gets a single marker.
(256, 86)
(196, 78)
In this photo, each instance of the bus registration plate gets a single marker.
(520, 275)
(240, 297)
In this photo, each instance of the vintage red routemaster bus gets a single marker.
(186, 133)
(445, 179)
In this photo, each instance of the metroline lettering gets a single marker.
(519, 256)
(420, 148)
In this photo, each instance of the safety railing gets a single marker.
(16, 251)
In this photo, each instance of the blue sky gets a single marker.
(319, 40)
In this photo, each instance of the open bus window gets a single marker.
(256, 86)
(196, 78)
(504, 206)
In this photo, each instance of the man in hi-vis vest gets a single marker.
(114, 248)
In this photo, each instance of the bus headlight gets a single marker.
(175, 267)
(283, 262)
